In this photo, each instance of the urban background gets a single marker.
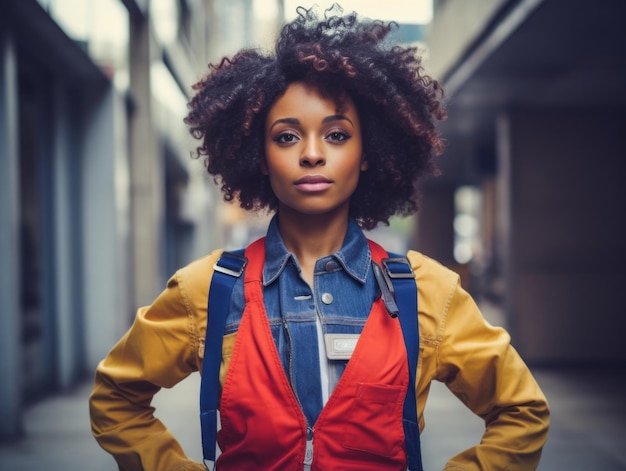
(101, 200)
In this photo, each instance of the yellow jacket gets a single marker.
(457, 346)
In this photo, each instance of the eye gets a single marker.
(285, 138)
(338, 136)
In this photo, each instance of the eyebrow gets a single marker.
(327, 119)
(337, 117)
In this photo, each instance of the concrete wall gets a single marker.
(10, 413)
(561, 193)
(456, 25)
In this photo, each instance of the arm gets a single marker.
(479, 365)
(159, 350)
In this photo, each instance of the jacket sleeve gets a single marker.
(159, 350)
(480, 366)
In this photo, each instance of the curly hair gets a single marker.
(339, 55)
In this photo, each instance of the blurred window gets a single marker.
(166, 15)
(101, 28)
(467, 235)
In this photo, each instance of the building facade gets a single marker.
(101, 201)
(536, 112)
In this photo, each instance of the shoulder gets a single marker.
(193, 279)
(429, 271)
(437, 285)
(200, 265)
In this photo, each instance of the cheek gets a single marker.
(278, 176)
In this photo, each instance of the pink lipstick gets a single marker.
(313, 183)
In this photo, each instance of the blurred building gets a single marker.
(533, 170)
(100, 200)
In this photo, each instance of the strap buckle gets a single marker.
(387, 292)
(398, 267)
(231, 264)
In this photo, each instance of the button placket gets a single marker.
(301, 333)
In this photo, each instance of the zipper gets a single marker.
(308, 454)
(286, 327)
(293, 388)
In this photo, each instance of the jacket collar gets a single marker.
(354, 256)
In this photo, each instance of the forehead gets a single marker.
(300, 97)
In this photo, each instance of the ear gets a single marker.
(364, 164)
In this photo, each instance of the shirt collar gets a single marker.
(354, 256)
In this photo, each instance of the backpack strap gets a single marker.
(226, 270)
(399, 272)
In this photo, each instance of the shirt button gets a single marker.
(327, 298)
(330, 266)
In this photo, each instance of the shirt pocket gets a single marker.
(374, 420)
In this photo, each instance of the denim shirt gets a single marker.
(344, 289)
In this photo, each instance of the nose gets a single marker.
(312, 154)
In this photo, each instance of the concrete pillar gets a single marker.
(435, 233)
(66, 238)
(146, 172)
(104, 318)
(10, 385)
(560, 196)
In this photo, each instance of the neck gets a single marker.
(310, 237)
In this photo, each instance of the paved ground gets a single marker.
(588, 426)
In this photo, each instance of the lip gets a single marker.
(313, 183)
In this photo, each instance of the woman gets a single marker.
(332, 133)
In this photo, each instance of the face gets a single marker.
(313, 152)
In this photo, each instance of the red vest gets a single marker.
(360, 427)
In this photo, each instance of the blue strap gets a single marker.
(225, 273)
(399, 270)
